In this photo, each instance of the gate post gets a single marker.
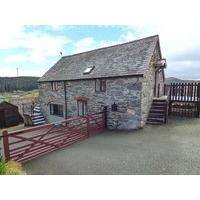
(170, 99)
(88, 125)
(198, 99)
(105, 116)
(6, 152)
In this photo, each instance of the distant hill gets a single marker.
(24, 83)
(176, 80)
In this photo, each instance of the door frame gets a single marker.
(155, 84)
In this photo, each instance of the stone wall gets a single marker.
(47, 97)
(148, 86)
(147, 93)
(125, 92)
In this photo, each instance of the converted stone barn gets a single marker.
(124, 77)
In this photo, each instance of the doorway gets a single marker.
(2, 119)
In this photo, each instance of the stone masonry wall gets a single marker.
(125, 92)
(148, 87)
(47, 97)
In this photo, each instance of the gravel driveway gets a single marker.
(169, 149)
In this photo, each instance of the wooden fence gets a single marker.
(185, 92)
(27, 144)
(184, 99)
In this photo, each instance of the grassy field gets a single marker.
(19, 96)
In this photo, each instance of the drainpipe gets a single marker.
(65, 95)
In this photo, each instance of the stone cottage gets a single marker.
(124, 77)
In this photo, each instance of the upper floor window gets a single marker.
(56, 109)
(54, 86)
(100, 85)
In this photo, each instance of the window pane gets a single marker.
(97, 85)
(88, 70)
(100, 85)
(56, 109)
(54, 86)
(103, 85)
(81, 108)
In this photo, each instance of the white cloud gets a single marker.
(89, 43)
(84, 44)
(180, 45)
(39, 45)
(16, 58)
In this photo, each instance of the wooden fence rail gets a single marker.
(189, 92)
(27, 144)
(184, 98)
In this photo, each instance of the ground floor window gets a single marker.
(56, 109)
(81, 107)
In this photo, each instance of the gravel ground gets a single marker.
(169, 149)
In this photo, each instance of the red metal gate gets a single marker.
(27, 144)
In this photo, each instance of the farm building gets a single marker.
(124, 78)
(9, 115)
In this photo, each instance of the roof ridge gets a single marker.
(121, 44)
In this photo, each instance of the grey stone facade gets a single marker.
(124, 92)
(148, 85)
(47, 97)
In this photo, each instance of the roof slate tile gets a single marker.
(130, 58)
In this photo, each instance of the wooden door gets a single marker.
(155, 84)
(2, 119)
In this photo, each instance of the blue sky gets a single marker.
(34, 49)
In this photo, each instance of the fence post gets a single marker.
(166, 111)
(88, 125)
(6, 152)
(198, 99)
(105, 115)
(170, 99)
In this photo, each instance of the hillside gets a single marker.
(23, 83)
(176, 80)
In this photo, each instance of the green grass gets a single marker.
(14, 97)
(2, 167)
(11, 168)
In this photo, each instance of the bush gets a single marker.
(11, 168)
(2, 167)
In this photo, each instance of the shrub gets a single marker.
(2, 167)
(11, 168)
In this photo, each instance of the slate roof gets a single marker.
(130, 58)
